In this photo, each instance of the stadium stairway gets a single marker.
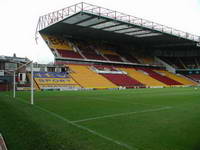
(89, 79)
(180, 79)
(143, 78)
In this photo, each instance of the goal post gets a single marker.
(31, 89)
(14, 84)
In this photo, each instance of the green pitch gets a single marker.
(140, 119)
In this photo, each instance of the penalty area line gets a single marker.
(87, 129)
(82, 127)
(123, 114)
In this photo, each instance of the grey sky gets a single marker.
(19, 19)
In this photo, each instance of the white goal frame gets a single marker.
(14, 81)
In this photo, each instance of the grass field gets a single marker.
(140, 119)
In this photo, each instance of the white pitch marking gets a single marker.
(83, 128)
(87, 129)
(122, 114)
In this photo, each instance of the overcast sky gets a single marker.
(18, 20)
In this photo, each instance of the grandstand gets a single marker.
(98, 52)
(109, 49)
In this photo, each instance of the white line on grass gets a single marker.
(122, 114)
(82, 127)
(87, 129)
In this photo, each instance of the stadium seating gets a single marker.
(136, 77)
(182, 62)
(111, 77)
(174, 62)
(107, 52)
(195, 77)
(88, 78)
(93, 55)
(61, 46)
(55, 82)
(130, 58)
(143, 78)
(57, 42)
(123, 80)
(53, 79)
(177, 78)
(160, 77)
(113, 57)
(189, 62)
(69, 54)
(88, 51)
(147, 60)
(84, 76)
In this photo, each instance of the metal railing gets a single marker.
(56, 16)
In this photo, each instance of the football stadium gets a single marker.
(118, 82)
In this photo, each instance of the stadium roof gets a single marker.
(84, 20)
